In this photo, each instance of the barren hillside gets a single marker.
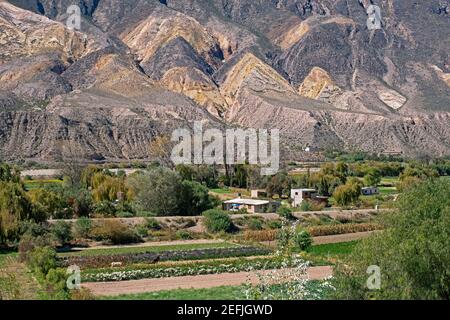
(139, 68)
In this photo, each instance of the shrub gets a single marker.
(83, 227)
(184, 235)
(62, 232)
(105, 208)
(124, 214)
(115, 232)
(412, 252)
(285, 213)
(217, 221)
(42, 260)
(303, 240)
(306, 206)
(152, 224)
(275, 224)
(254, 224)
(56, 284)
(141, 230)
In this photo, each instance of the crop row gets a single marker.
(327, 230)
(183, 270)
(153, 257)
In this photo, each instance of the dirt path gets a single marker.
(151, 244)
(190, 282)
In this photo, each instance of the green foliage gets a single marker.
(107, 188)
(184, 235)
(105, 208)
(306, 206)
(194, 199)
(217, 221)
(157, 190)
(41, 260)
(8, 174)
(303, 240)
(286, 213)
(274, 224)
(372, 177)
(349, 193)
(254, 224)
(83, 227)
(152, 223)
(62, 231)
(49, 204)
(412, 253)
(15, 207)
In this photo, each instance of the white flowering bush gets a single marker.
(290, 281)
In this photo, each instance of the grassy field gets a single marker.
(333, 249)
(128, 250)
(218, 293)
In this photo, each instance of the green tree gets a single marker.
(348, 193)
(412, 253)
(9, 174)
(15, 207)
(217, 221)
(157, 190)
(372, 177)
(194, 199)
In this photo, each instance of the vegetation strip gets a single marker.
(153, 257)
(155, 271)
(159, 248)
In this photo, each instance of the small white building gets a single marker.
(252, 205)
(298, 195)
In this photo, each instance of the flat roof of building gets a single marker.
(249, 202)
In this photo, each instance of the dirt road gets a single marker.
(190, 282)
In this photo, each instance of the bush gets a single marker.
(306, 206)
(152, 224)
(83, 227)
(412, 252)
(303, 240)
(141, 230)
(42, 260)
(254, 224)
(286, 213)
(217, 221)
(275, 224)
(56, 284)
(115, 232)
(184, 235)
(62, 232)
(105, 208)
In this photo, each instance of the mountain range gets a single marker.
(136, 70)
